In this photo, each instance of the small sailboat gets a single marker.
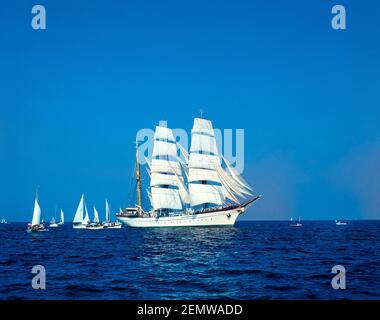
(53, 223)
(95, 225)
(79, 221)
(3, 221)
(62, 220)
(36, 225)
(108, 224)
(340, 223)
(297, 224)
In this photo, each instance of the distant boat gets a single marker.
(62, 221)
(95, 225)
(36, 225)
(340, 223)
(108, 224)
(53, 223)
(3, 221)
(81, 222)
(298, 224)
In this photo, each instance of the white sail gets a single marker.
(228, 183)
(149, 196)
(202, 175)
(205, 186)
(165, 171)
(36, 220)
(164, 148)
(62, 217)
(159, 179)
(86, 219)
(203, 126)
(183, 190)
(238, 178)
(164, 133)
(184, 153)
(166, 199)
(200, 142)
(78, 218)
(203, 161)
(96, 216)
(205, 193)
(107, 212)
(165, 166)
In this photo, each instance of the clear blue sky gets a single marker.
(73, 96)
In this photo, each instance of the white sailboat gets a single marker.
(95, 225)
(209, 197)
(108, 224)
(297, 224)
(79, 221)
(62, 218)
(53, 223)
(36, 225)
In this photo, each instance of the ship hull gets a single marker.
(222, 218)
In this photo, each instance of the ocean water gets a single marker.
(253, 260)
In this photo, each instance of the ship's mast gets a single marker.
(138, 178)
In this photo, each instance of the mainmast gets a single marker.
(138, 178)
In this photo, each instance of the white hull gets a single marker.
(220, 218)
(116, 225)
(79, 226)
(99, 227)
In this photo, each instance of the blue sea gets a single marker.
(253, 260)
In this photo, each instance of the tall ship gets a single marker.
(199, 189)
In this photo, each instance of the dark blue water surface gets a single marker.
(253, 260)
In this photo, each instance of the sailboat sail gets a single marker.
(36, 214)
(62, 217)
(107, 212)
(96, 216)
(205, 186)
(78, 218)
(165, 170)
(86, 219)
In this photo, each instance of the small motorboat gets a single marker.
(340, 223)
